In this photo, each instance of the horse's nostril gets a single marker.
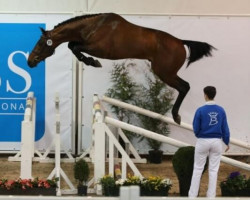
(36, 58)
(30, 64)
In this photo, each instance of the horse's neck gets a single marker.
(79, 31)
(64, 34)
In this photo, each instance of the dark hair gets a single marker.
(210, 91)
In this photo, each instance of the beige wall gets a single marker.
(179, 7)
(43, 6)
(164, 7)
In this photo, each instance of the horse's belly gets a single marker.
(115, 53)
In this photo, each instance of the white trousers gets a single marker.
(206, 147)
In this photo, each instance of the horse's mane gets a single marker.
(76, 19)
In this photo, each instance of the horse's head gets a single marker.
(43, 49)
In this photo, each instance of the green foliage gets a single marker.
(155, 97)
(81, 171)
(109, 186)
(107, 180)
(150, 186)
(131, 180)
(25, 184)
(183, 162)
(236, 184)
(123, 89)
(156, 183)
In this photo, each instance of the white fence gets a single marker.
(100, 129)
(26, 155)
(108, 198)
(163, 118)
(164, 138)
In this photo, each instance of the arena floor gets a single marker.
(11, 170)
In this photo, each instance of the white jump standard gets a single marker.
(58, 171)
(28, 137)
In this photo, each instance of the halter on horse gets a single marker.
(110, 36)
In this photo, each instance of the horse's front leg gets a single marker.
(76, 48)
(182, 87)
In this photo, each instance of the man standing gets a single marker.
(210, 126)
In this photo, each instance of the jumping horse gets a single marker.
(110, 36)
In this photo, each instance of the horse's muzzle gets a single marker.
(33, 61)
(32, 64)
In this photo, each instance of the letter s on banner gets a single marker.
(19, 71)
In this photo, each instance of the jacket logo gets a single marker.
(213, 118)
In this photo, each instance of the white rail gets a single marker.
(100, 130)
(168, 140)
(127, 193)
(163, 118)
(158, 137)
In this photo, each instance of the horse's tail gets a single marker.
(197, 50)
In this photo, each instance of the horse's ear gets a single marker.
(43, 31)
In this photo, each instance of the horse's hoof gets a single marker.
(177, 119)
(97, 63)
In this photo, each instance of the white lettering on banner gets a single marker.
(4, 106)
(10, 107)
(19, 71)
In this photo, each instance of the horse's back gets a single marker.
(118, 39)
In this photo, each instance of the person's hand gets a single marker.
(227, 148)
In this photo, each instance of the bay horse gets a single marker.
(109, 36)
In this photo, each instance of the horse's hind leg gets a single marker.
(182, 87)
(76, 48)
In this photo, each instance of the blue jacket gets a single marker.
(210, 121)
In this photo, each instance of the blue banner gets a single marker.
(17, 79)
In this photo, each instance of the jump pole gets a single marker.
(163, 118)
(166, 139)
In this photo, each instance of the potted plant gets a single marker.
(155, 186)
(183, 164)
(235, 184)
(156, 97)
(109, 186)
(28, 186)
(81, 173)
(131, 180)
(149, 186)
(123, 89)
